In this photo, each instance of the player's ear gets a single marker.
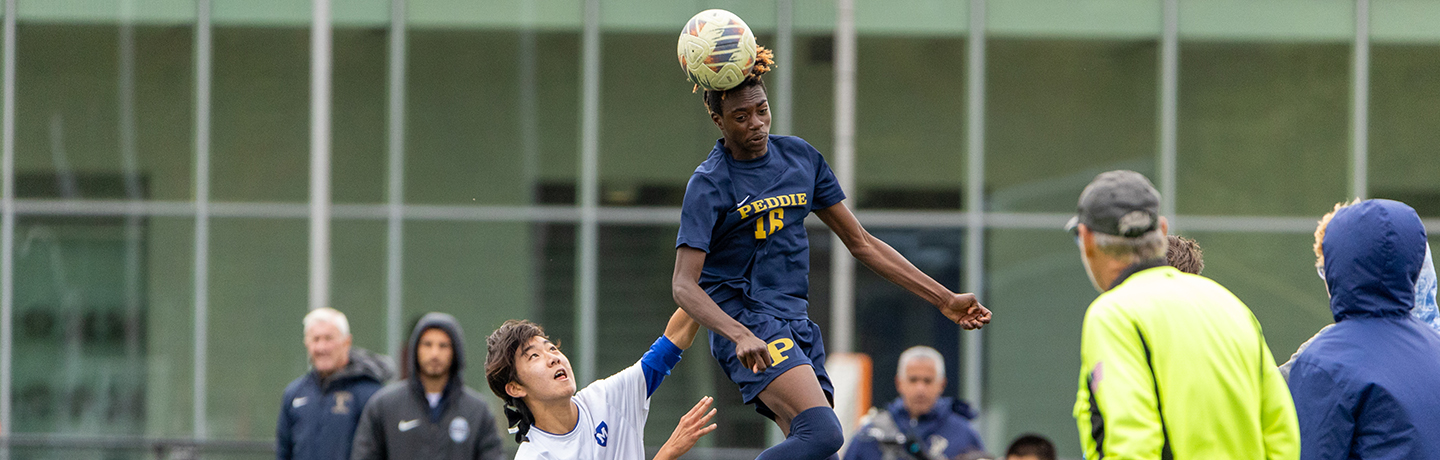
(715, 117)
(515, 390)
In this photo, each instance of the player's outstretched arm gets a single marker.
(963, 309)
(685, 288)
(681, 329)
(693, 425)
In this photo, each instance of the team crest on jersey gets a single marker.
(459, 430)
(602, 434)
(342, 402)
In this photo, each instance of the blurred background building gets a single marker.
(502, 159)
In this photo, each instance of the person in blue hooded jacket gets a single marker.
(919, 424)
(1364, 388)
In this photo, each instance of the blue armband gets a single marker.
(657, 363)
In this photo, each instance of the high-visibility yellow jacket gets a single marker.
(1175, 366)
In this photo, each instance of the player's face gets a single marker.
(745, 121)
(329, 350)
(543, 371)
(920, 386)
(434, 353)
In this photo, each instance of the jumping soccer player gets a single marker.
(604, 421)
(742, 266)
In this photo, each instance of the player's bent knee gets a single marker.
(820, 429)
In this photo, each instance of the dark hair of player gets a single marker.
(501, 347)
(1184, 254)
(1032, 444)
(765, 60)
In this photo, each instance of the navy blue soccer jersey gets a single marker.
(748, 216)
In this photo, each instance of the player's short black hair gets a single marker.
(1032, 444)
(714, 99)
(765, 61)
(502, 346)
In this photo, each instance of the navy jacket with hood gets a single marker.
(1366, 387)
(318, 415)
(944, 430)
(399, 423)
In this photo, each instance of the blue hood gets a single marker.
(1373, 254)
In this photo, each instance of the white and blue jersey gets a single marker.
(612, 413)
(748, 216)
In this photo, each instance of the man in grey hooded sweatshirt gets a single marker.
(432, 414)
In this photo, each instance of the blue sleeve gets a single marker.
(1325, 410)
(827, 188)
(657, 363)
(698, 214)
(283, 443)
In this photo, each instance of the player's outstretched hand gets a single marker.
(964, 310)
(693, 425)
(753, 354)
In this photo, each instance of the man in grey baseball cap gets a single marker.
(1121, 209)
(1120, 203)
(1168, 359)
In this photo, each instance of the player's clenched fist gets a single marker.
(753, 354)
(966, 311)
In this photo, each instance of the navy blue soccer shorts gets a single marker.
(792, 343)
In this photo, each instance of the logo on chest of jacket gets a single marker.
(459, 429)
(602, 434)
(342, 402)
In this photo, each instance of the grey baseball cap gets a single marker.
(1120, 203)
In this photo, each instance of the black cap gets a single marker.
(1120, 203)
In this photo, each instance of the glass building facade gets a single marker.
(527, 159)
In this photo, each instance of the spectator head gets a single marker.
(920, 379)
(434, 354)
(1373, 254)
(1031, 447)
(1117, 224)
(327, 340)
(1184, 254)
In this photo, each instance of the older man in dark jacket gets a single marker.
(320, 409)
(431, 415)
(1365, 387)
(920, 424)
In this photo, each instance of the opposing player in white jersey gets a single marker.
(603, 421)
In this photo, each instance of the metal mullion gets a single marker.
(974, 343)
(842, 264)
(1169, 108)
(784, 75)
(1360, 104)
(203, 57)
(588, 247)
(7, 225)
(320, 97)
(395, 218)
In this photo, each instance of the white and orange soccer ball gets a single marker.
(717, 50)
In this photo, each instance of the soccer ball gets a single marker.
(716, 50)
